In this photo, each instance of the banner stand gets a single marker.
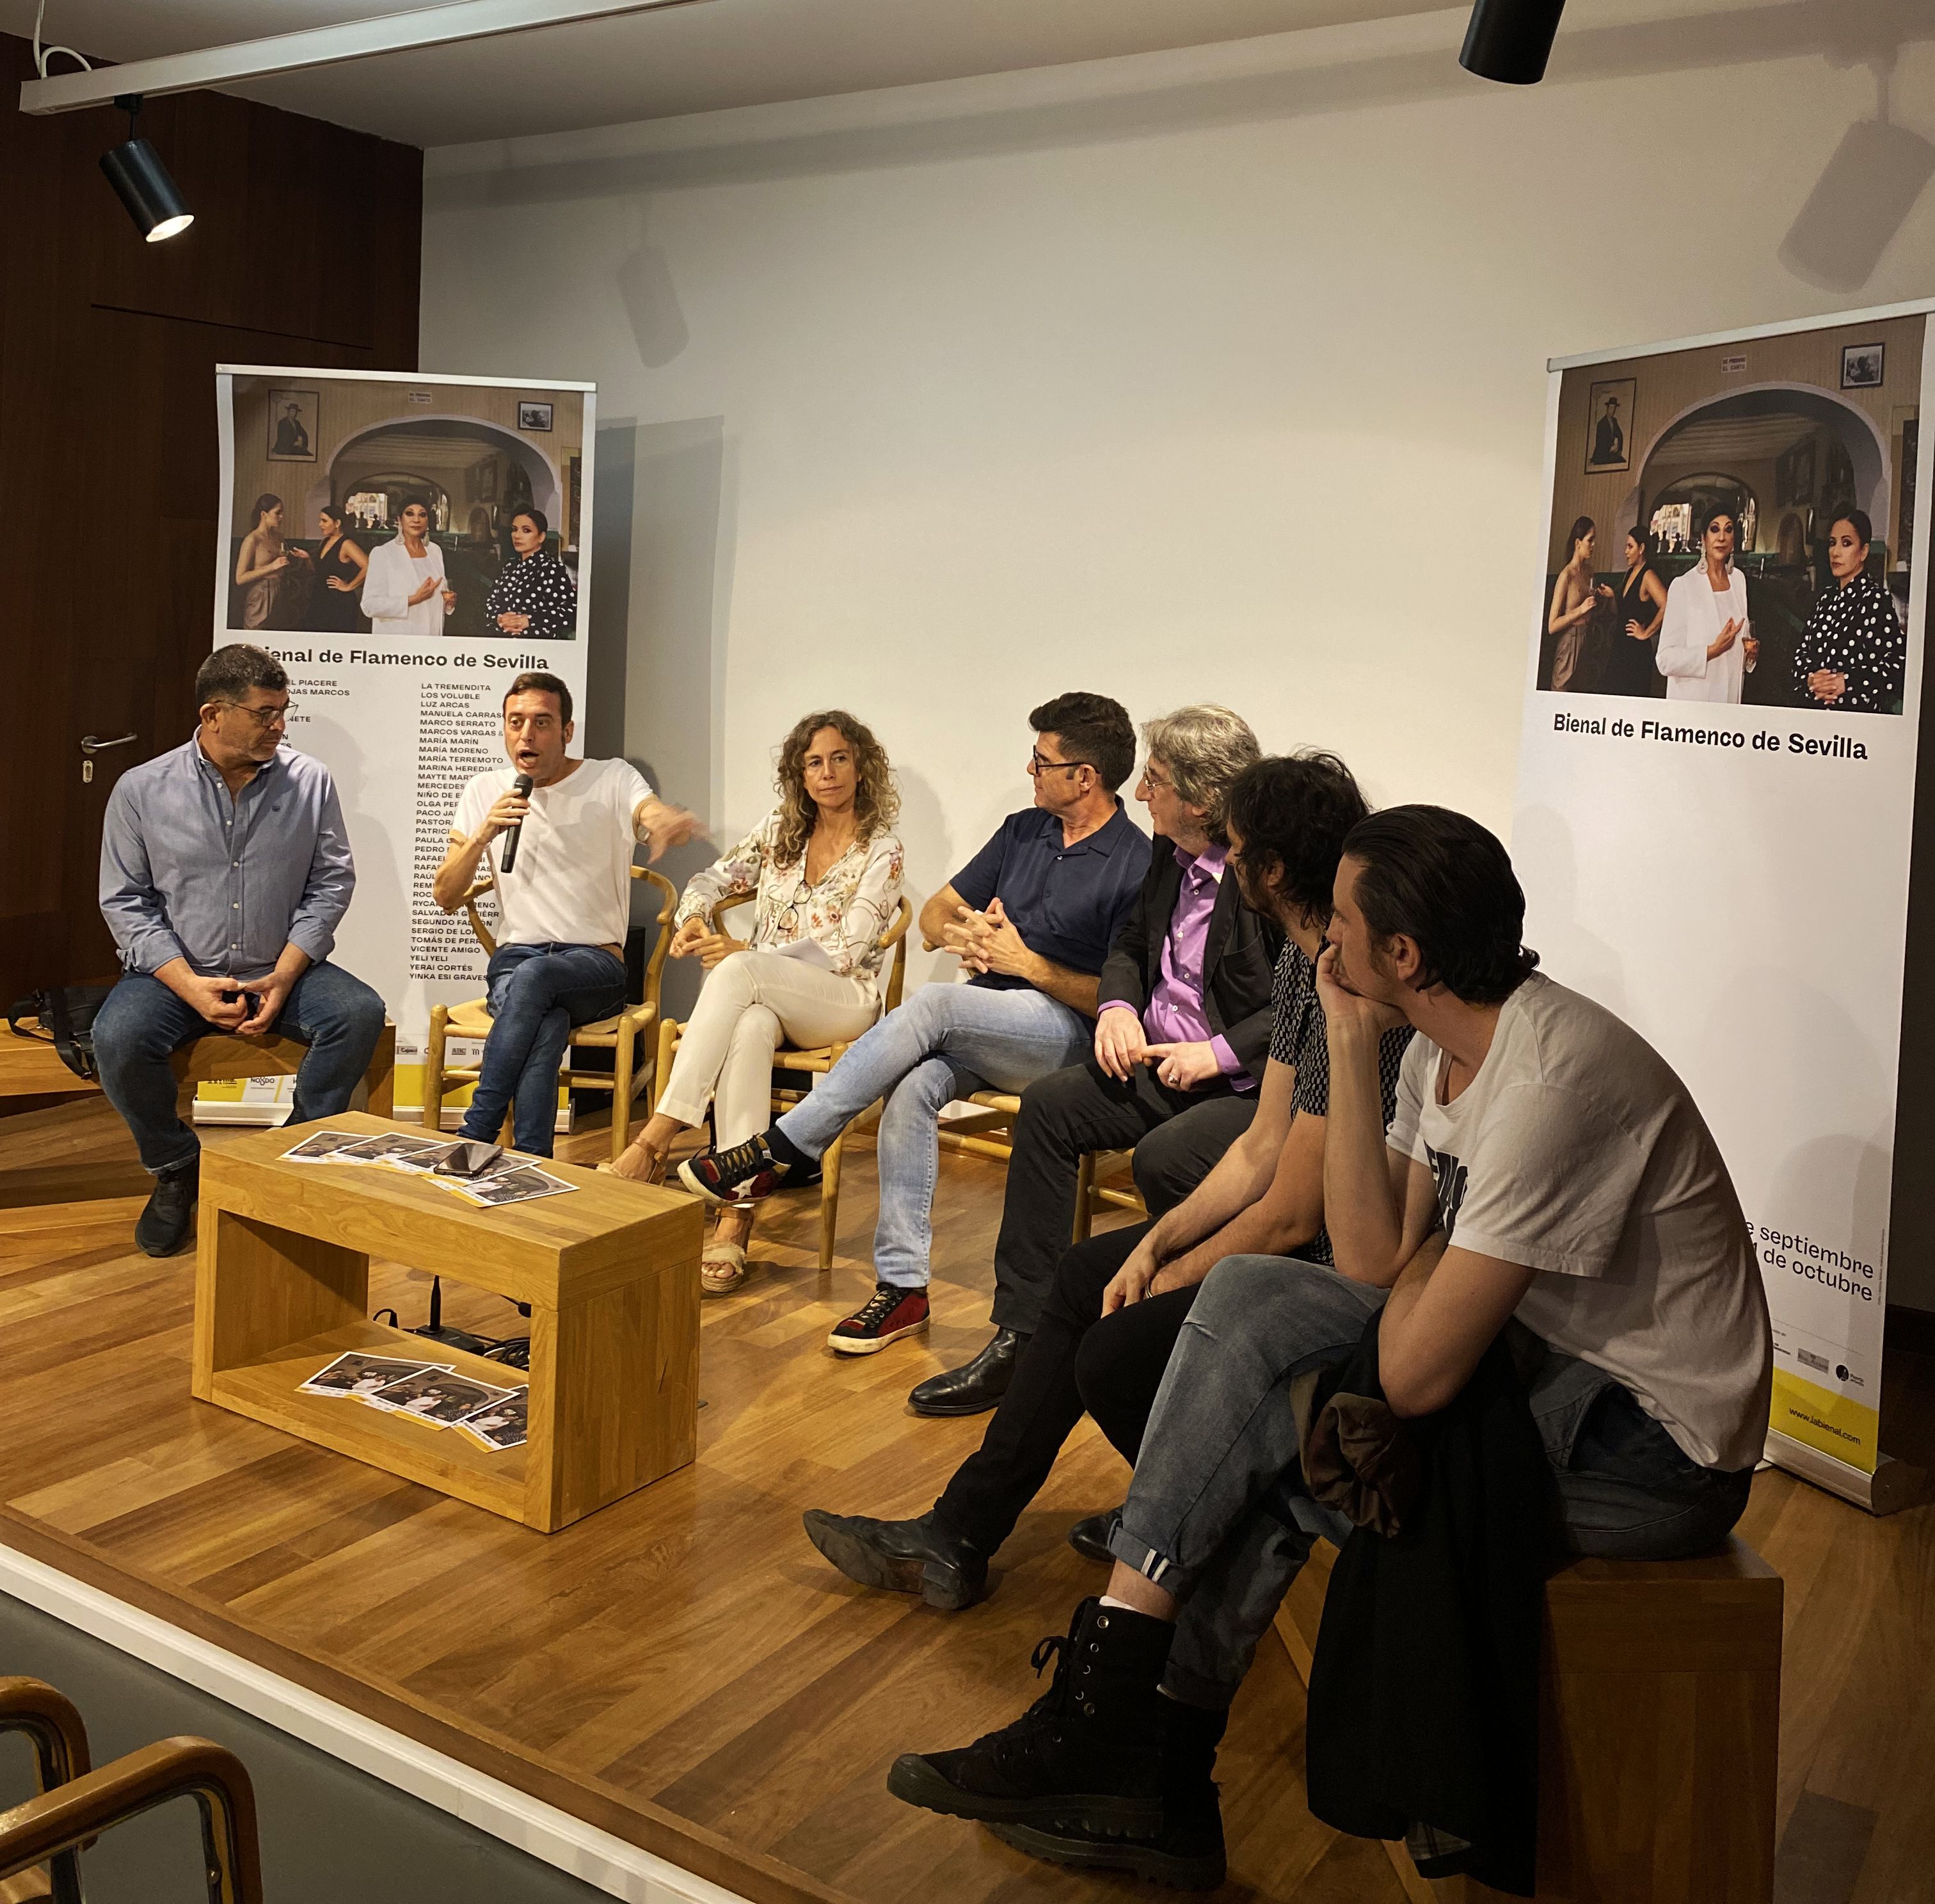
(1719, 782)
(1893, 1485)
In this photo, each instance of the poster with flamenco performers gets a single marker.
(408, 545)
(1716, 785)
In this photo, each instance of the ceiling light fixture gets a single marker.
(1510, 41)
(316, 47)
(135, 170)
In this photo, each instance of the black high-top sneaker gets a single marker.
(1187, 1853)
(1086, 1757)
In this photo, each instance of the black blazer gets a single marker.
(1239, 962)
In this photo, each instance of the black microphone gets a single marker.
(521, 787)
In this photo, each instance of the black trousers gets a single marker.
(1177, 1136)
(1074, 1360)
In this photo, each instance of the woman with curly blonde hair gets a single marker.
(824, 868)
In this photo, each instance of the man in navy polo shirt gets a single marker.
(1032, 916)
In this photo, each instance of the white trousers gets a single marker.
(749, 1004)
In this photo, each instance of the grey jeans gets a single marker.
(1216, 1513)
(945, 1042)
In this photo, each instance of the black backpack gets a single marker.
(63, 1016)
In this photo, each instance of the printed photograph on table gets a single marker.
(438, 1396)
(322, 1147)
(388, 1147)
(1734, 532)
(402, 509)
(504, 1425)
(359, 1375)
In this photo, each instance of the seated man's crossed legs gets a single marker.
(942, 1554)
(945, 1042)
(537, 994)
(1177, 1136)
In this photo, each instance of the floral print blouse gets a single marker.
(846, 913)
(1853, 631)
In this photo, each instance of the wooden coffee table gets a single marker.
(611, 1273)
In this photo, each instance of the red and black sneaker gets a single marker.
(890, 1314)
(743, 1174)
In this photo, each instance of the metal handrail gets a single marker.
(60, 1821)
(53, 1727)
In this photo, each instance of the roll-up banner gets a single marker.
(1716, 783)
(378, 534)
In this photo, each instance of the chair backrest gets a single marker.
(668, 895)
(893, 940)
(668, 905)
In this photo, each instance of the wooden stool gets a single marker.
(222, 1056)
(1659, 1725)
(610, 1273)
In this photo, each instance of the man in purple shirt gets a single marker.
(1182, 1033)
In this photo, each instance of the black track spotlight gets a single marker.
(135, 170)
(1510, 41)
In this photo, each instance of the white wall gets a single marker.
(1194, 376)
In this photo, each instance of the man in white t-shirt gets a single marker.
(1544, 1166)
(564, 904)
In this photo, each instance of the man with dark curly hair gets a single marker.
(1119, 1300)
(1032, 916)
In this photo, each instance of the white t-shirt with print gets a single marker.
(1577, 1152)
(571, 884)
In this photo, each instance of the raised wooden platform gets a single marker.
(681, 1669)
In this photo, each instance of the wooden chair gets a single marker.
(222, 1057)
(1659, 1729)
(1103, 1181)
(819, 1059)
(618, 1034)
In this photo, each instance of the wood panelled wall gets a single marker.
(304, 250)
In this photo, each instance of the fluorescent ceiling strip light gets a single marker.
(318, 46)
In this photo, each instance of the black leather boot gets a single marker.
(1086, 1757)
(163, 1227)
(976, 1386)
(1090, 1538)
(1187, 1853)
(917, 1557)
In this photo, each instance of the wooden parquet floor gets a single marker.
(682, 1669)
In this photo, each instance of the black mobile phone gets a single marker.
(471, 1158)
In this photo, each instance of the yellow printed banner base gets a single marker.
(1829, 1423)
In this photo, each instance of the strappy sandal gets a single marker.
(721, 1269)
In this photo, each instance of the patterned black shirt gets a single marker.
(540, 586)
(1299, 1037)
(1853, 631)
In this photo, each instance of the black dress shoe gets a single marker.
(976, 1386)
(163, 1226)
(902, 1556)
(1090, 1538)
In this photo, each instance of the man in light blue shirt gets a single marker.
(224, 871)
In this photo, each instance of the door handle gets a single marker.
(92, 744)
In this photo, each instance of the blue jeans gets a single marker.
(537, 993)
(945, 1042)
(143, 1023)
(1216, 1513)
